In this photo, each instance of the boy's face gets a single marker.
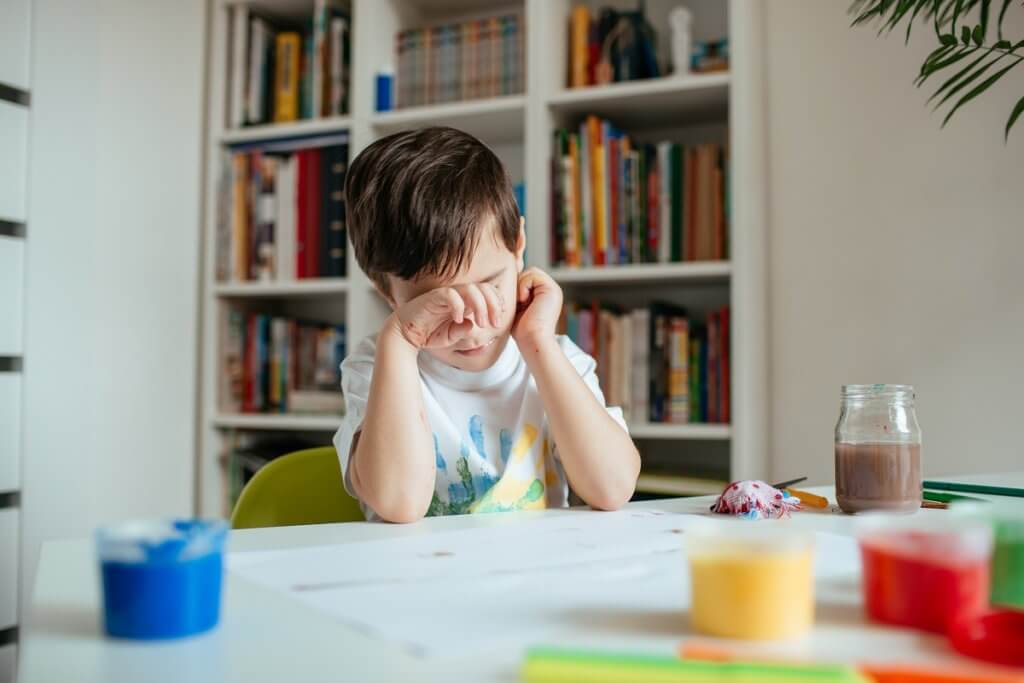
(490, 263)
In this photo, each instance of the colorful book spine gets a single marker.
(286, 88)
(678, 365)
(240, 218)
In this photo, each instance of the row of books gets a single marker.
(659, 364)
(615, 201)
(279, 70)
(281, 213)
(272, 364)
(464, 61)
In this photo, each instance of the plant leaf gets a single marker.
(1018, 109)
(1002, 45)
(985, 5)
(947, 39)
(965, 35)
(978, 36)
(959, 75)
(1002, 13)
(966, 81)
(956, 13)
(935, 56)
(978, 89)
(938, 66)
(910, 24)
(902, 7)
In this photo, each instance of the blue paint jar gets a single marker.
(161, 579)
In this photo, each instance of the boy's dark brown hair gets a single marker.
(416, 202)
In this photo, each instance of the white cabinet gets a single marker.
(8, 567)
(13, 152)
(11, 294)
(10, 431)
(14, 52)
(8, 654)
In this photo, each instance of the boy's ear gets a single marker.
(521, 245)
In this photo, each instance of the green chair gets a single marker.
(303, 487)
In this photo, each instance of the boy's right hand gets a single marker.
(442, 317)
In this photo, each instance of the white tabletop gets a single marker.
(265, 636)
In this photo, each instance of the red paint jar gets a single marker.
(926, 572)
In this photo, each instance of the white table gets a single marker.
(264, 636)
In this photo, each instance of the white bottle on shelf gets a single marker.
(680, 21)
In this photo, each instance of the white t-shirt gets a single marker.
(492, 445)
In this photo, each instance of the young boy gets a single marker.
(466, 400)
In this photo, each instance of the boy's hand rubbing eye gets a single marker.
(538, 305)
(444, 316)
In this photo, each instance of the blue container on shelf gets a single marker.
(161, 579)
(385, 84)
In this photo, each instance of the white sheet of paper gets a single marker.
(446, 593)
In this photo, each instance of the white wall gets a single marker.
(895, 247)
(111, 264)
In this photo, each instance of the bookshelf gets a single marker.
(727, 106)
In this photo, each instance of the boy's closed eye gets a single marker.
(493, 278)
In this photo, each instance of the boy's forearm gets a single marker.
(393, 464)
(600, 459)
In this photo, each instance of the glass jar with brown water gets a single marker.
(878, 449)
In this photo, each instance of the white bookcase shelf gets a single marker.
(640, 103)
(498, 119)
(645, 272)
(691, 432)
(312, 287)
(274, 131)
(278, 422)
(520, 129)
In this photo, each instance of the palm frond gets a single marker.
(961, 29)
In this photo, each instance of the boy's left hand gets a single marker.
(538, 306)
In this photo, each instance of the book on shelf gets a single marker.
(281, 211)
(281, 70)
(610, 46)
(615, 201)
(272, 364)
(460, 61)
(658, 363)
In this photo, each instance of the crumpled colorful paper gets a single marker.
(754, 499)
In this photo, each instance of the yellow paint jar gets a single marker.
(752, 580)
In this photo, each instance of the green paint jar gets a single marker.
(1008, 555)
